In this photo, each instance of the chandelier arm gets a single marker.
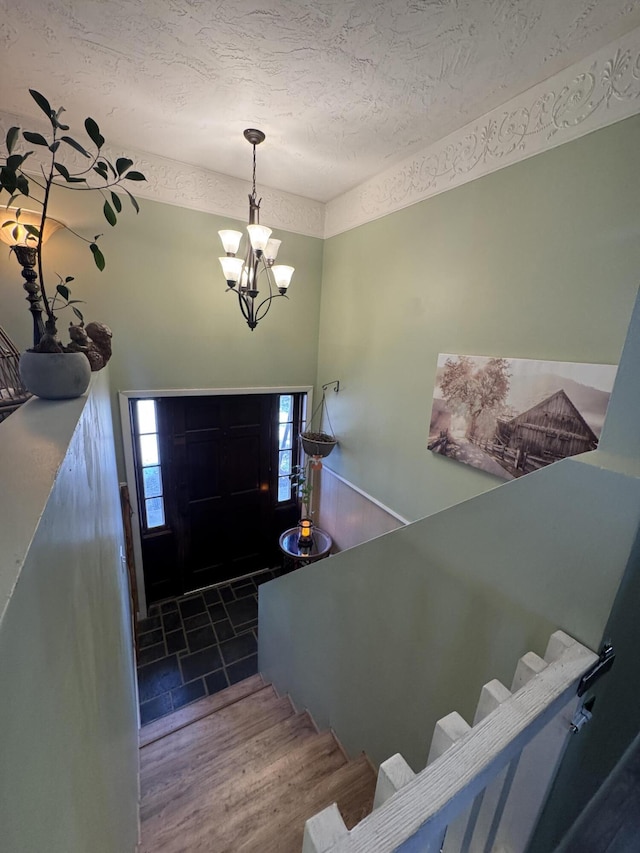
(267, 300)
(244, 306)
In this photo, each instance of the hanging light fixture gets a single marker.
(242, 274)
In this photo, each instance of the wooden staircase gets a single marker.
(240, 772)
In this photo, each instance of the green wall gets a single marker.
(382, 640)
(538, 260)
(68, 715)
(163, 295)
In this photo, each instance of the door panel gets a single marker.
(225, 484)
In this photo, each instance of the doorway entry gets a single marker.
(212, 484)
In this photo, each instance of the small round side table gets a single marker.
(320, 547)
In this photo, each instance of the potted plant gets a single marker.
(318, 443)
(90, 346)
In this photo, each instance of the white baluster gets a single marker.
(394, 773)
(323, 830)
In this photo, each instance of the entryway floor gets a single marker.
(198, 644)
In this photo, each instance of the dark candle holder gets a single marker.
(27, 258)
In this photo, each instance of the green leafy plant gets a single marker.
(99, 175)
(301, 480)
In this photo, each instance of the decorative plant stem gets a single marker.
(15, 182)
(302, 480)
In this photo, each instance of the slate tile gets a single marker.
(158, 677)
(200, 663)
(224, 630)
(238, 647)
(191, 606)
(151, 653)
(168, 606)
(153, 610)
(216, 681)
(243, 669)
(226, 593)
(243, 589)
(217, 612)
(155, 708)
(243, 610)
(201, 638)
(192, 622)
(188, 693)
(148, 624)
(176, 641)
(172, 621)
(150, 639)
(211, 596)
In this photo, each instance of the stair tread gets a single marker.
(173, 794)
(202, 708)
(351, 786)
(223, 815)
(209, 737)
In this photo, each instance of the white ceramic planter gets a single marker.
(55, 375)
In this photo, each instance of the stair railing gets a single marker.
(484, 785)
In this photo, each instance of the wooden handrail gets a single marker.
(417, 816)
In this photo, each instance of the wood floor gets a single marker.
(240, 772)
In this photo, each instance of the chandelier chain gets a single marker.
(254, 170)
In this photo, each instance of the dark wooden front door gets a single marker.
(222, 447)
(220, 456)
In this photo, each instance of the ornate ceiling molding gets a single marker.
(593, 93)
(183, 185)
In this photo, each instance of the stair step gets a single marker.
(206, 739)
(351, 786)
(226, 814)
(202, 708)
(178, 794)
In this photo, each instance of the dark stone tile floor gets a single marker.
(193, 646)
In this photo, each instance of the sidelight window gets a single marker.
(147, 437)
(285, 445)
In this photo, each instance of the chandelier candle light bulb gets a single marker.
(261, 252)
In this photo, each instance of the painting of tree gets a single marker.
(473, 390)
(511, 416)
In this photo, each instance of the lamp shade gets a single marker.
(282, 275)
(231, 267)
(259, 236)
(14, 233)
(271, 250)
(230, 240)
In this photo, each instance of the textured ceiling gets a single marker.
(342, 88)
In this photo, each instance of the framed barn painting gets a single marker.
(511, 416)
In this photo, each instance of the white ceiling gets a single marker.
(342, 88)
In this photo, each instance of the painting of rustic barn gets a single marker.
(511, 416)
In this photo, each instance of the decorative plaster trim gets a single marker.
(598, 91)
(594, 93)
(183, 185)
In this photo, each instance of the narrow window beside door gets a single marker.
(285, 446)
(146, 426)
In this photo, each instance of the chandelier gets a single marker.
(242, 273)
